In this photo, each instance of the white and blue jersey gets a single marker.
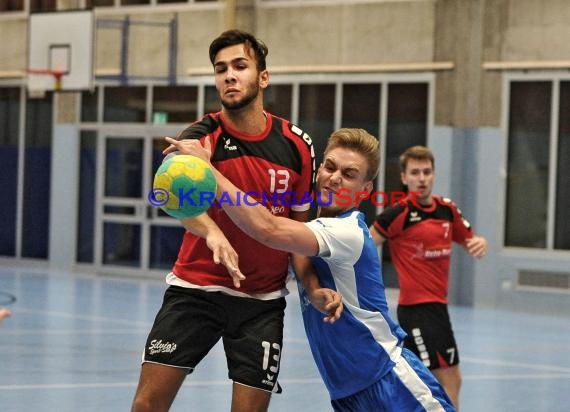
(360, 356)
(349, 264)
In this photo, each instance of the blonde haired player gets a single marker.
(360, 356)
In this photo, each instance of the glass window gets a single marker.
(406, 126)
(125, 104)
(175, 104)
(119, 210)
(37, 174)
(123, 167)
(158, 145)
(87, 184)
(277, 100)
(42, 5)
(212, 101)
(134, 2)
(562, 225)
(165, 242)
(109, 3)
(121, 244)
(11, 5)
(89, 105)
(528, 163)
(316, 114)
(99, 3)
(9, 121)
(361, 106)
(361, 109)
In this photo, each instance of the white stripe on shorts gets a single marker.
(416, 386)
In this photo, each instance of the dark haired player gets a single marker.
(209, 297)
(420, 237)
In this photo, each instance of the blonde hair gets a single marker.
(361, 142)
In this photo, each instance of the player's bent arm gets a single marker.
(274, 231)
(376, 236)
(200, 225)
(305, 272)
(301, 216)
(258, 222)
(222, 251)
(325, 300)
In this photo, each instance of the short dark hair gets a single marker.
(233, 37)
(416, 153)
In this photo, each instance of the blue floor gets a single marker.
(74, 343)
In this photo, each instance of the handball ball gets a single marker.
(184, 186)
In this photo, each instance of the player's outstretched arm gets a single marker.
(258, 222)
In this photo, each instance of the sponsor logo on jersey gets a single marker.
(437, 253)
(415, 217)
(227, 144)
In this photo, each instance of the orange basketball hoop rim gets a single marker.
(57, 76)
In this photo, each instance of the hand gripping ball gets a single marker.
(184, 186)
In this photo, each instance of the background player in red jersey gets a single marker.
(210, 297)
(420, 237)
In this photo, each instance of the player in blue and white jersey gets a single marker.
(360, 356)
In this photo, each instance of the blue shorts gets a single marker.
(408, 387)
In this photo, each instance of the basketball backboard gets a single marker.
(60, 51)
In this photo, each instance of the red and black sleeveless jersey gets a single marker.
(420, 239)
(278, 164)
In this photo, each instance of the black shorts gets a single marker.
(191, 321)
(430, 335)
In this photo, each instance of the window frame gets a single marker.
(384, 79)
(118, 7)
(555, 78)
